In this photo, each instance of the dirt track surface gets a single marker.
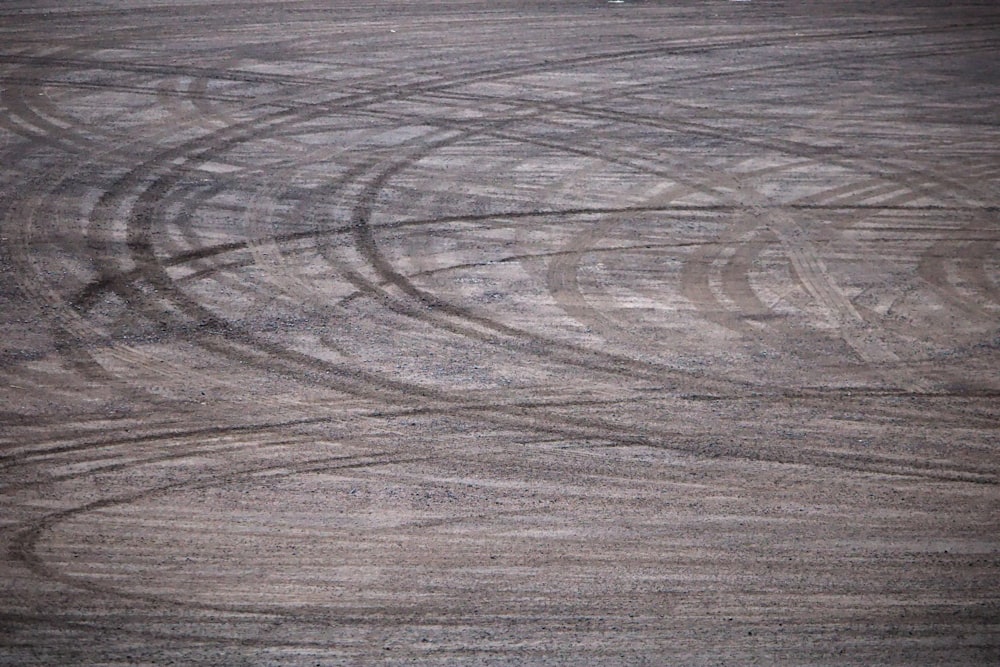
(499, 333)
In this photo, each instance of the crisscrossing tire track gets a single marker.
(521, 332)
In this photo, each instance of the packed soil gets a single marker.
(499, 333)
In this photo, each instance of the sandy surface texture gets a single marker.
(499, 333)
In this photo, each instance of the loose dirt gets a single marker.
(515, 333)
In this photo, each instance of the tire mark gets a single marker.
(863, 344)
(562, 351)
(26, 121)
(23, 547)
(969, 259)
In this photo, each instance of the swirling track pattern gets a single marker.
(499, 333)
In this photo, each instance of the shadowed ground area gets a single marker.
(499, 333)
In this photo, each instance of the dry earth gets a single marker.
(516, 332)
